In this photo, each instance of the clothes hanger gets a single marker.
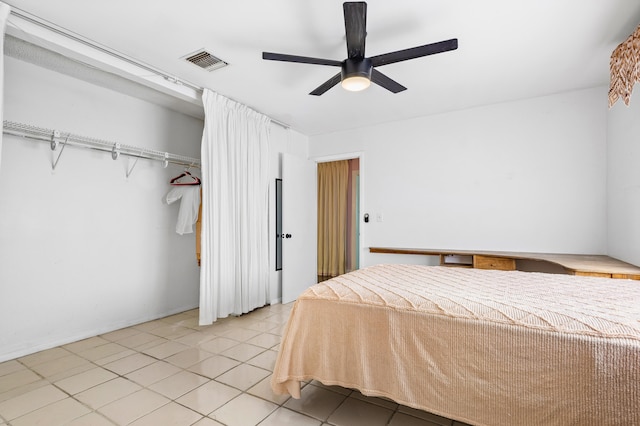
(194, 179)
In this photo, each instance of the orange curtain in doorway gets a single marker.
(333, 184)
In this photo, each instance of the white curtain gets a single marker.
(234, 275)
(4, 14)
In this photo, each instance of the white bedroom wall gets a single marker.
(623, 181)
(84, 250)
(520, 176)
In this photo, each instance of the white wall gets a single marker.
(83, 250)
(523, 176)
(623, 181)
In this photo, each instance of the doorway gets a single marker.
(338, 212)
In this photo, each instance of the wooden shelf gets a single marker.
(576, 264)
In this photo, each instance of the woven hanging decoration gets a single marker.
(625, 69)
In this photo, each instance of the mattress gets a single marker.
(480, 346)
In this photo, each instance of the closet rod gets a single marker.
(65, 138)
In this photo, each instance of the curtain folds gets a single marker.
(333, 184)
(4, 14)
(234, 275)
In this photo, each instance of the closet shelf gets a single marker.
(55, 137)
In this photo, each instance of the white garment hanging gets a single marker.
(189, 205)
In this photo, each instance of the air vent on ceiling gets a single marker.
(205, 60)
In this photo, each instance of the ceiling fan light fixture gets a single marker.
(355, 83)
(356, 74)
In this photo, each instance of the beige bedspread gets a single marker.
(484, 347)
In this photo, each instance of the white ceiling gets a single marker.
(507, 50)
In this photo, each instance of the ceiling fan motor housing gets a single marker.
(357, 67)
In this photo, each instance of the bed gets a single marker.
(480, 346)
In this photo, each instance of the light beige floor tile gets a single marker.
(243, 410)
(218, 345)
(284, 417)
(263, 390)
(401, 419)
(170, 414)
(9, 367)
(155, 342)
(243, 376)
(91, 419)
(241, 334)
(72, 372)
(195, 339)
(207, 422)
(265, 340)
(58, 413)
(208, 397)
(69, 364)
(425, 415)
(179, 384)
(130, 363)
(132, 407)
(316, 402)
(138, 339)
(165, 349)
(218, 328)
(153, 373)
(115, 357)
(20, 390)
(30, 401)
(189, 357)
(280, 318)
(108, 392)
(102, 351)
(243, 352)
(266, 360)
(85, 380)
(171, 331)
(149, 325)
(262, 326)
(177, 318)
(44, 356)
(214, 366)
(85, 344)
(17, 379)
(123, 333)
(354, 412)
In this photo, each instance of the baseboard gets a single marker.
(17, 353)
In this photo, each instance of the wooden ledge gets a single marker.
(576, 264)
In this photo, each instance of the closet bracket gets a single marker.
(54, 145)
(129, 170)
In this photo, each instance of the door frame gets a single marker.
(350, 156)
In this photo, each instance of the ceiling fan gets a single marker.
(357, 72)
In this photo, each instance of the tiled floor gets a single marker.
(173, 372)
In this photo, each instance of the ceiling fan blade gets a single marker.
(415, 52)
(327, 85)
(355, 25)
(301, 59)
(384, 81)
